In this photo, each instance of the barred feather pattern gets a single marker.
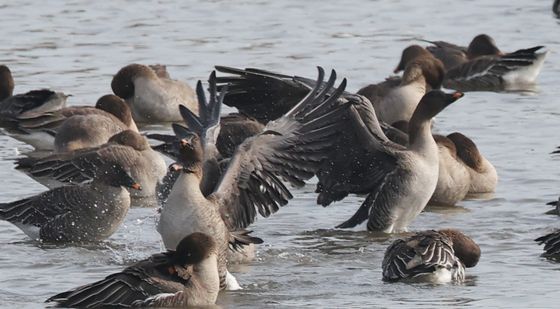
(421, 254)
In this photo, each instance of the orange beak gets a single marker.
(175, 167)
(457, 95)
(136, 186)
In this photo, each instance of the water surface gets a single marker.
(76, 48)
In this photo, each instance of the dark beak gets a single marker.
(400, 66)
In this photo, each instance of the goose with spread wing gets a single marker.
(291, 147)
(398, 180)
(184, 277)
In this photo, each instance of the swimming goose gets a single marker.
(492, 70)
(128, 148)
(75, 214)
(87, 126)
(399, 180)
(90, 130)
(483, 174)
(398, 104)
(454, 179)
(11, 106)
(453, 55)
(432, 256)
(152, 98)
(184, 277)
(551, 244)
(291, 147)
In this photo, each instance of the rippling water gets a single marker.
(75, 48)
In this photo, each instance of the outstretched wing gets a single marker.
(362, 158)
(248, 89)
(291, 147)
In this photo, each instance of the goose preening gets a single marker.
(151, 94)
(187, 276)
(430, 256)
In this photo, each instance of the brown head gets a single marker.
(130, 138)
(189, 151)
(482, 45)
(6, 83)
(113, 174)
(447, 143)
(465, 248)
(430, 105)
(116, 107)
(409, 54)
(193, 249)
(123, 81)
(467, 150)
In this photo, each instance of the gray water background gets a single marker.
(76, 47)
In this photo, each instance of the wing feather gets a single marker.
(291, 147)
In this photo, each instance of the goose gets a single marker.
(454, 179)
(291, 147)
(490, 69)
(11, 105)
(75, 214)
(365, 161)
(484, 177)
(184, 277)
(430, 256)
(152, 98)
(399, 180)
(453, 55)
(79, 126)
(398, 104)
